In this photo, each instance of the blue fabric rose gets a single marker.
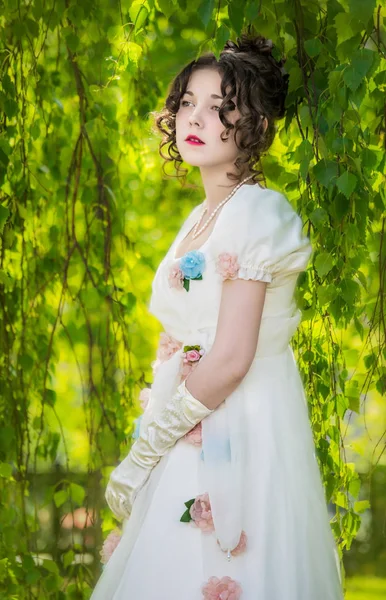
(192, 264)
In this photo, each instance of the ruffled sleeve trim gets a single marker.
(255, 273)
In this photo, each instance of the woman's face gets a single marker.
(198, 115)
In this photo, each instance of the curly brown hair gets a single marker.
(260, 84)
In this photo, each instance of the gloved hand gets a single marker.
(162, 430)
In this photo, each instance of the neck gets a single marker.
(216, 190)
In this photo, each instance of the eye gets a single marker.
(184, 102)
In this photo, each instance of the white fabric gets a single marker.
(257, 460)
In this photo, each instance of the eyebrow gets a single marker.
(212, 95)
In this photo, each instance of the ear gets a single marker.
(265, 124)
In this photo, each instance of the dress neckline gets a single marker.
(185, 230)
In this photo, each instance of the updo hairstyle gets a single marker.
(260, 84)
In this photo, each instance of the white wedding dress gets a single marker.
(257, 456)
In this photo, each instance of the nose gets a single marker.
(193, 118)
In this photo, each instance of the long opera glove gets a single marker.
(163, 429)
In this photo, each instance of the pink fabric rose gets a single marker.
(227, 265)
(194, 436)
(168, 346)
(144, 397)
(221, 589)
(176, 277)
(241, 546)
(192, 355)
(201, 513)
(190, 360)
(109, 545)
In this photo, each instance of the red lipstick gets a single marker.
(194, 140)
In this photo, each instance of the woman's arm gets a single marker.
(220, 371)
(217, 374)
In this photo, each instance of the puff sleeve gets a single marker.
(261, 238)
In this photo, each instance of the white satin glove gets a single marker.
(161, 431)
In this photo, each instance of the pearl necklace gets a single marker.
(196, 231)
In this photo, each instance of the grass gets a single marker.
(365, 588)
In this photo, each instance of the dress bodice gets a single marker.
(262, 232)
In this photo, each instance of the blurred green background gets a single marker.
(86, 215)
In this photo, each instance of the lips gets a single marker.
(193, 139)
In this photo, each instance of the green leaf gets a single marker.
(354, 404)
(186, 517)
(362, 9)
(303, 151)
(380, 78)
(54, 443)
(350, 290)
(323, 263)
(326, 294)
(129, 300)
(32, 576)
(138, 14)
(341, 499)
(77, 492)
(4, 160)
(359, 327)
(330, 486)
(60, 497)
(325, 171)
(4, 214)
(167, 8)
(72, 42)
(346, 183)
(4, 279)
(11, 108)
(222, 35)
(370, 159)
(342, 145)
(33, 27)
(341, 405)
(313, 46)
(361, 62)
(319, 218)
(189, 502)
(68, 558)
(51, 566)
(251, 11)
(381, 385)
(26, 362)
(7, 437)
(8, 85)
(205, 11)
(5, 470)
(361, 506)
(354, 485)
(341, 206)
(35, 130)
(236, 15)
(50, 397)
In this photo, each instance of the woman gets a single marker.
(221, 493)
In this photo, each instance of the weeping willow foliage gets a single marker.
(86, 214)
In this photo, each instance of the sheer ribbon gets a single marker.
(224, 445)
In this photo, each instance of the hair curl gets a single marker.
(260, 84)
